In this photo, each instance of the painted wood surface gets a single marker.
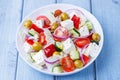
(108, 63)
(106, 67)
(9, 20)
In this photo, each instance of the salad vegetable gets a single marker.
(61, 42)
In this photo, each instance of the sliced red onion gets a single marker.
(81, 53)
(84, 48)
(60, 38)
(82, 58)
(71, 10)
(51, 62)
(27, 36)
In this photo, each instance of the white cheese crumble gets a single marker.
(83, 31)
(39, 57)
(92, 50)
(68, 24)
(68, 46)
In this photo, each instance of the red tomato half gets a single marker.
(81, 42)
(42, 38)
(76, 21)
(67, 64)
(61, 33)
(46, 21)
(49, 50)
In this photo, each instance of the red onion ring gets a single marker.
(51, 62)
(76, 10)
(81, 53)
(60, 38)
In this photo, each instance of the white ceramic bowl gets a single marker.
(64, 7)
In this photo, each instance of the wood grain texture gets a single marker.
(9, 20)
(108, 63)
(88, 73)
(25, 72)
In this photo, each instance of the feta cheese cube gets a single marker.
(83, 31)
(68, 46)
(92, 50)
(39, 57)
(68, 24)
(27, 47)
(39, 23)
(49, 37)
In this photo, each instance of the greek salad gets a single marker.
(61, 41)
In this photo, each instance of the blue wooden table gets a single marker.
(107, 65)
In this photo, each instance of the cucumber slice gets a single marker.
(74, 54)
(32, 32)
(31, 55)
(89, 25)
(59, 46)
(74, 33)
(57, 69)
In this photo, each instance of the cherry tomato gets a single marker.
(46, 21)
(76, 21)
(67, 64)
(81, 42)
(49, 50)
(42, 38)
(36, 28)
(85, 59)
(57, 12)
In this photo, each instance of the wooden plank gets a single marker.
(9, 20)
(88, 73)
(108, 63)
(25, 72)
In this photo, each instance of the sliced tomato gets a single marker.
(85, 59)
(81, 42)
(36, 28)
(67, 64)
(76, 21)
(49, 50)
(46, 21)
(42, 38)
(61, 33)
(29, 41)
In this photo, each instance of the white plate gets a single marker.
(50, 8)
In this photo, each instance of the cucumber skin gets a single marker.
(57, 69)
(57, 47)
(75, 33)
